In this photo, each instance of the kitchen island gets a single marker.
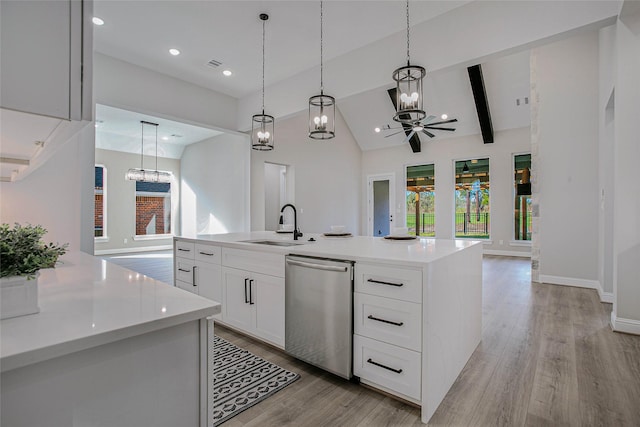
(109, 347)
(417, 314)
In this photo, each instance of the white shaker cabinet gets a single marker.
(46, 57)
(197, 269)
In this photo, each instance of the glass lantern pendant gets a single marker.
(322, 108)
(262, 130)
(262, 125)
(409, 99)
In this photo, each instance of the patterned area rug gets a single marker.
(242, 379)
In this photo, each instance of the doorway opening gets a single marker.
(380, 203)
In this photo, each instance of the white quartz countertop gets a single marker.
(86, 302)
(356, 248)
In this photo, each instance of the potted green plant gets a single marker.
(22, 255)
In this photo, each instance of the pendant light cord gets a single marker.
(408, 57)
(321, 40)
(263, 23)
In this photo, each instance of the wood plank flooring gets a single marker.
(547, 357)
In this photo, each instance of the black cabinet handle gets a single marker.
(205, 253)
(250, 294)
(193, 270)
(385, 283)
(397, 371)
(184, 250)
(184, 271)
(385, 321)
(246, 298)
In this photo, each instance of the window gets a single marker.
(420, 199)
(153, 208)
(100, 201)
(472, 199)
(522, 202)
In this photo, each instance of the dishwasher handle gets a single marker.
(317, 266)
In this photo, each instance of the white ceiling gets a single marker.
(121, 130)
(142, 32)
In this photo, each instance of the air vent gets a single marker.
(523, 101)
(213, 63)
(175, 135)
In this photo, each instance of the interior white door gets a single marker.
(381, 204)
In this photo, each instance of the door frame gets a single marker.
(391, 177)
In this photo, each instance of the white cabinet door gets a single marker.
(268, 297)
(186, 286)
(208, 279)
(237, 311)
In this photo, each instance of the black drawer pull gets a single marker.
(385, 283)
(397, 371)
(184, 250)
(205, 253)
(385, 321)
(183, 270)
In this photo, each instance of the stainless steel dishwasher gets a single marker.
(319, 312)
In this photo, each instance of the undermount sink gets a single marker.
(273, 242)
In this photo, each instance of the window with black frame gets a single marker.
(472, 213)
(522, 197)
(420, 200)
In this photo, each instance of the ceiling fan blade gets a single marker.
(443, 122)
(409, 136)
(428, 119)
(431, 127)
(395, 133)
(429, 134)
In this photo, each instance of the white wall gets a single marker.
(443, 152)
(215, 186)
(124, 85)
(606, 123)
(626, 306)
(58, 195)
(567, 84)
(121, 202)
(327, 175)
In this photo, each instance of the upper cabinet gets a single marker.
(46, 57)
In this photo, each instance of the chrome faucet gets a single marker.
(296, 232)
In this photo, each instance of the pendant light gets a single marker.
(465, 168)
(142, 175)
(409, 99)
(262, 125)
(322, 108)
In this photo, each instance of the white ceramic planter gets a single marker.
(18, 296)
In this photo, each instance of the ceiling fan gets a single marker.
(420, 126)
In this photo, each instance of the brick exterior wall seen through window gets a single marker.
(146, 208)
(98, 218)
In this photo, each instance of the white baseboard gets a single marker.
(132, 250)
(604, 296)
(570, 281)
(507, 253)
(628, 326)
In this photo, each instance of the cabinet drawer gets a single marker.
(391, 321)
(184, 270)
(184, 249)
(259, 262)
(388, 281)
(207, 253)
(397, 369)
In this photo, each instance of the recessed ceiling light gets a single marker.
(227, 73)
(377, 130)
(165, 138)
(444, 117)
(97, 21)
(174, 52)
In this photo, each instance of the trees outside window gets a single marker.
(420, 200)
(522, 197)
(472, 212)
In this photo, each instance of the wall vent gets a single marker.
(214, 63)
(175, 135)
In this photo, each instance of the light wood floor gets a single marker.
(547, 357)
